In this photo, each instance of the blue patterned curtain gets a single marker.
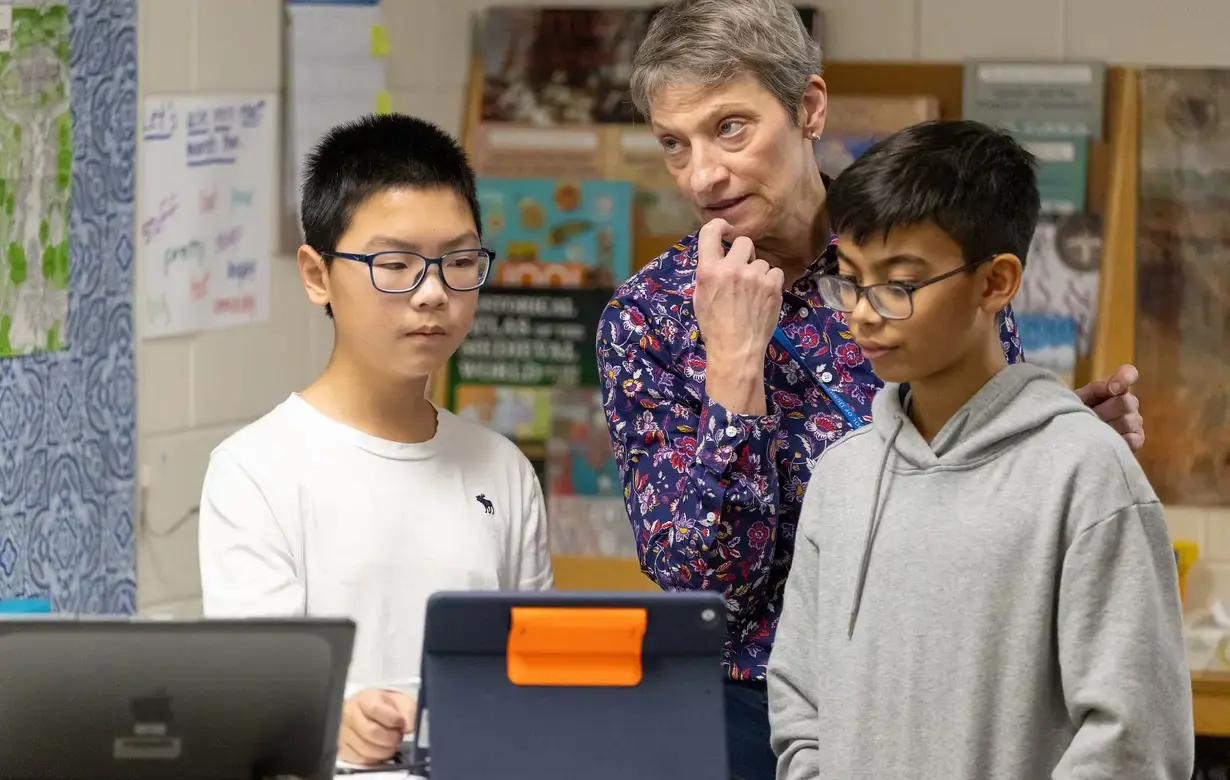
(68, 417)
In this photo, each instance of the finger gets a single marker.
(1135, 441)
(760, 267)
(1129, 424)
(380, 710)
(347, 751)
(1120, 410)
(357, 750)
(709, 240)
(742, 250)
(1123, 379)
(1094, 393)
(353, 751)
(382, 740)
(777, 277)
(405, 706)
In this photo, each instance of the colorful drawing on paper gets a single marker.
(36, 156)
(205, 233)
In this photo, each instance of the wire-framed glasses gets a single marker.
(890, 300)
(403, 271)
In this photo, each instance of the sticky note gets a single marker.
(384, 102)
(380, 41)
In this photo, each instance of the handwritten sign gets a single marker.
(207, 212)
(532, 338)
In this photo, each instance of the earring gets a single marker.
(814, 136)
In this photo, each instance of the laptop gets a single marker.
(565, 685)
(112, 699)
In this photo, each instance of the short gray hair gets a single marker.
(716, 42)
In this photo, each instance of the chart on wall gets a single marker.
(207, 199)
(35, 177)
(1183, 284)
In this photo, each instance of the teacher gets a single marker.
(724, 375)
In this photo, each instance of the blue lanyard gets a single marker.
(847, 411)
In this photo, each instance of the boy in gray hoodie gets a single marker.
(983, 586)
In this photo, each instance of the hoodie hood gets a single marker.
(1017, 401)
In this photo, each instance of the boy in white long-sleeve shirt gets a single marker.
(358, 497)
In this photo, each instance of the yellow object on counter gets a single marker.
(1185, 554)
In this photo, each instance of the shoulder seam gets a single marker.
(829, 448)
(1135, 505)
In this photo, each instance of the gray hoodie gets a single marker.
(1009, 610)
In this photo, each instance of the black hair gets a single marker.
(974, 182)
(356, 160)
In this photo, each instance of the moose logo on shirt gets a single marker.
(488, 507)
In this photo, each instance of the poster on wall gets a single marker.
(624, 153)
(585, 504)
(569, 66)
(205, 227)
(1063, 272)
(1183, 284)
(36, 154)
(335, 51)
(524, 343)
(558, 232)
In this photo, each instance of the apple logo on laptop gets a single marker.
(152, 713)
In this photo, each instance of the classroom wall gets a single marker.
(195, 391)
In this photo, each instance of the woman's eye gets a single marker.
(729, 127)
(669, 144)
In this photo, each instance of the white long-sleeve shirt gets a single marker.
(303, 515)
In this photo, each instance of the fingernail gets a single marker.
(1116, 388)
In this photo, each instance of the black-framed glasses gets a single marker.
(891, 300)
(462, 270)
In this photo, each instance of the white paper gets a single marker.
(334, 77)
(205, 232)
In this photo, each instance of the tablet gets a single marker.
(563, 685)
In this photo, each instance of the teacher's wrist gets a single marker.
(739, 389)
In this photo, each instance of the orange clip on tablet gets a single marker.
(576, 646)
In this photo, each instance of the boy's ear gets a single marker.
(1002, 280)
(314, 271)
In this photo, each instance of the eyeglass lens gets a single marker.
(890, 301)
(402, 271)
